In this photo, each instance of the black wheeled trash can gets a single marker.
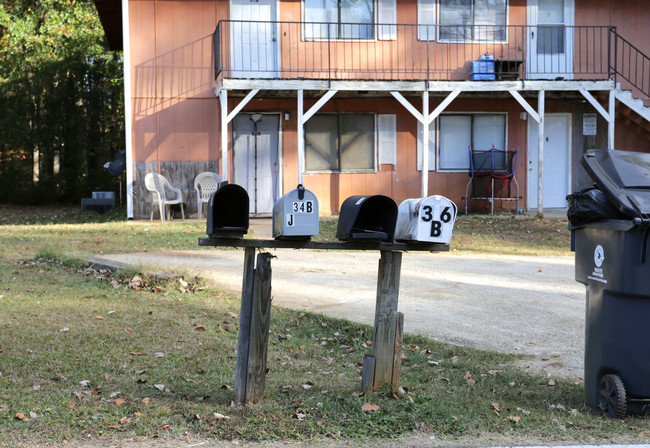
(611, 260)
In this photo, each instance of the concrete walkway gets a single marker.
(514, 304)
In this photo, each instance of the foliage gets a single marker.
(62, 114)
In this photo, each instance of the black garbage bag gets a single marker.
(590, 205)
(118, 165)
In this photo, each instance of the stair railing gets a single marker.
(629, 63)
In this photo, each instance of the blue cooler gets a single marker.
(483, 69)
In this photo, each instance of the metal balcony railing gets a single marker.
(408, 52)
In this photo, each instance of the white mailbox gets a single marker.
(429, 220)
(295, 215)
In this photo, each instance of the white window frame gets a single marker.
(474, 113)
(375, 141)
(499, 41)
(374, 38)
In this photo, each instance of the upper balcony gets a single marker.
(287, 55)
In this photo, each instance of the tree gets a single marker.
(62, 90)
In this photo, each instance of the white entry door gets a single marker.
(557, 154)
(254, 38)
(255, 158)
(550, 39)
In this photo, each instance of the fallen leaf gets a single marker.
(220, 416)
(513, 419)
(495, 406)
(71, 405)
(119, 401)
(138, 354)
(146, 400)
(468, 379)
(33, 415)
(115, 426)
(21, 416)
(95, 390)
(369, 407)
(100, 318)
(128, 330)
(125, 420)
(199, 328)
(111, 312)
(160, 387)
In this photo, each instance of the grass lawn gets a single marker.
(120, 355)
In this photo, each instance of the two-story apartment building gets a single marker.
(375, 96)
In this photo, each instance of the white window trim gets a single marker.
(469, 41)
(373, 39)
(505, 139)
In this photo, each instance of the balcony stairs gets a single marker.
(636, 114)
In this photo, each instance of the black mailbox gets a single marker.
(228, 212)
(367, 218)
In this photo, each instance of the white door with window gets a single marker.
(557, 154)
(255, 158)
(550, 39)
(254, 39)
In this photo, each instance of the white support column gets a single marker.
(128, 109)
(540, 149)
(301, 137)
(611, 123)
(223, 100)
(424, 192)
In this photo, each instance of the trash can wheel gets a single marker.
(612, 400)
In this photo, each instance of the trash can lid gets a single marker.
(624, 176)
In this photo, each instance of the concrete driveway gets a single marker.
(516, 304)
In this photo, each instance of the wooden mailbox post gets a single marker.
(383, 366)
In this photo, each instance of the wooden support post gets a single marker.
(386, 319)
(397, 352)
(245, 310)
(368, 374)
(259, 331)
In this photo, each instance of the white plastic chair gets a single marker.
(205, 184)
(163, 194)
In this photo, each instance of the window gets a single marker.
(462, 20)
(339, 19)
(459, 131)
(343, 142)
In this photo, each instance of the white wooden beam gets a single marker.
(128, 109)
(404, 102)
(242, 104)
(540, 157)
(301, 136)
(316, 107)
(601, 110)
(223, 100)
(521, 100)
(611, 125)
(424, 192)
(443, 105)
